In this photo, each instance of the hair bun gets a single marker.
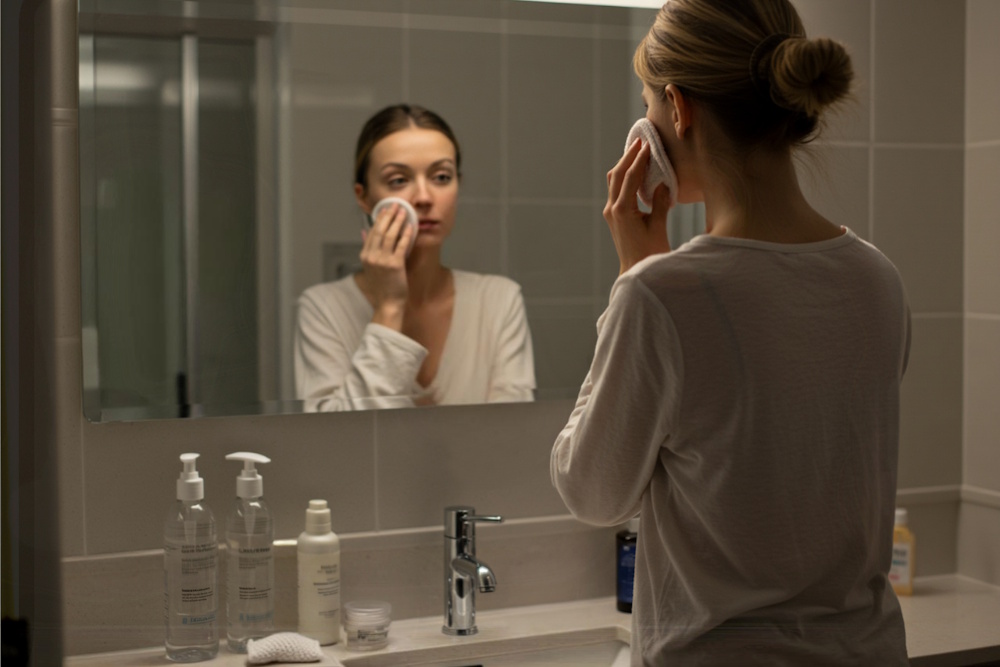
(810, 74)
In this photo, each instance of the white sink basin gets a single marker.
(593, 648)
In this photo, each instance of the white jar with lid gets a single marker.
(366, 624)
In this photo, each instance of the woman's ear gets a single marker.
(681, 113)
(361, 196)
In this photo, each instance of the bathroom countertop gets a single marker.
(950, 621)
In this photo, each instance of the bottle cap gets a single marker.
(901, 516)
(249, 484)
(189, 485)
(318, 518)
(633, 525)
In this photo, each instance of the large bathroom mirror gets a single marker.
(216, 149)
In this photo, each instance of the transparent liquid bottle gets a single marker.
(191, 564)
(249, 559)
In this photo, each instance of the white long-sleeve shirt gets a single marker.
(343, 361)
(744, 400)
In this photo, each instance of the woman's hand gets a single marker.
(636, 235)
(383, 256)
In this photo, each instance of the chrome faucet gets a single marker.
(463, 572)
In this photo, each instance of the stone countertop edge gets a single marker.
(951, 621)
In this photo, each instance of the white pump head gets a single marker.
(189, 485)
(318, 518)
(249, 484)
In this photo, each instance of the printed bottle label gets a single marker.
(900, 570)
(193, 569)
(319, 586)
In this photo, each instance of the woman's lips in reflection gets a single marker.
(426, 224)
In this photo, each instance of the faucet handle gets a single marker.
(460, 520)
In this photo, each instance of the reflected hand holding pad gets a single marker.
(659, 170)
(411, 216)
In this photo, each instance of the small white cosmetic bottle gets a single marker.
(318, 556)
(191, 565)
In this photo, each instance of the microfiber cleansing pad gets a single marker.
(411, 216)
(659, 170)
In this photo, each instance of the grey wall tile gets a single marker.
(979, 542)
(551, 248)
(982, 85)
(453, 8)
(849, 22)
(835, 180)
(564, 336)
(476, 242)
(131, 469)
(982, 419)
(495, 458)
(918, 222)
(931, 419)
(550, 107)
(904, 64)
(457, 74)
(982, 229)
(935, 527)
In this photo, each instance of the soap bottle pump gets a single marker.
(250, 559)
(903, 555)
(191, 563)
(318, 556)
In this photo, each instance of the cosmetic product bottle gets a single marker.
(250, 558)
(625, 563)
(191, 564)
(903, 555)
(366, 624)
(318, 555)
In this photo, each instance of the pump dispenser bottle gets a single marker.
(626, 541)
(250, 559)
(318, 555)
(191, 564)
(903, 555)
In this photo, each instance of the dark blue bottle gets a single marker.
(625, 564)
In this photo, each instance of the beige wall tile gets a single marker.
(131, 469)
(458, 75)
(493, 458)
(982, 85)
(931, 415)
(550, 110)
(848, 22)
(835, 181)
(982, 229)
(904, 111)
(979, 542)
(981, 452)
(918, 222)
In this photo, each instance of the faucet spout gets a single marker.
(475, 572)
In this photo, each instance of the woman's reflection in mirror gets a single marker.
(407, 330)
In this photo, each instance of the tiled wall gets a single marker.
(979, 535)
(908, 166)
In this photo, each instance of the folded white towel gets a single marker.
(411, 216)
(283, 647)
(659, 170)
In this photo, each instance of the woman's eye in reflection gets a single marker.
(443, 178)
(396, 182)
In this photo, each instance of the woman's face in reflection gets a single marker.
(417, 165)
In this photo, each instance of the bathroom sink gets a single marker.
(601, 648)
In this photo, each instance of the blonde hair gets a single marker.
(750, 63)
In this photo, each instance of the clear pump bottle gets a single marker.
(250, 558)
(191, 564)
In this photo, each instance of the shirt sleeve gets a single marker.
(605, 456)
(512, 376)
(380, 373)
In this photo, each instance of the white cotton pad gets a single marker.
(659, 170)
(411, 216)
(283, 647)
